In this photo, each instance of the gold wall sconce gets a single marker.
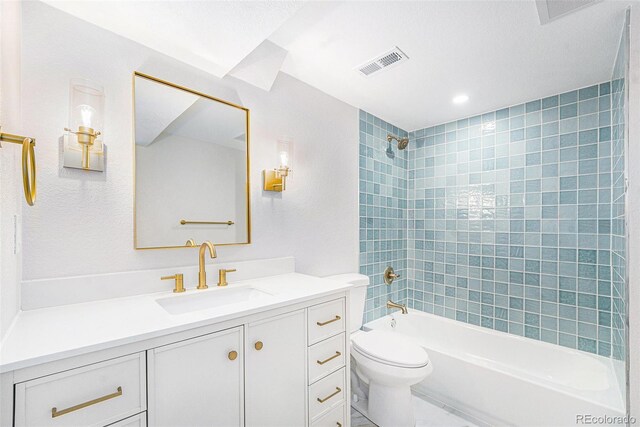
(83, 146)
(28, 163)
(276, 179)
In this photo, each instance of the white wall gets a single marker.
(10, 182)
(633, 212)
(83, 222)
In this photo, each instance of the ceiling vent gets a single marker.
(383, 62)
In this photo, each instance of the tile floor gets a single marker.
(427, 415)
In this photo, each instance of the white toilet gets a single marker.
(386, 364)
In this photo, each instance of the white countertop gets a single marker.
(49, 334)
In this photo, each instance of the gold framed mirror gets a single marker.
(191, 167)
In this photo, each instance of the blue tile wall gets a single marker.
(618, 232)
(512, 220)
(383, 208)
(509, 219)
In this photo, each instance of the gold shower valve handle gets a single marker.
(390, 275)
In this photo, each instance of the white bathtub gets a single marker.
(504, 379)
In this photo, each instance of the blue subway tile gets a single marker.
(508, 227)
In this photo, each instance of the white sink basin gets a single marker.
(210, 299)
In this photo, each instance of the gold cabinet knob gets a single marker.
(258, 345)
(233, 355)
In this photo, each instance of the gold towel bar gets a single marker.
(338, 390)
(28, 163)
(184, 221)
(335, 319)
(56, 413)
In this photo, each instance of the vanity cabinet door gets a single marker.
(276, 371)
(197, 382)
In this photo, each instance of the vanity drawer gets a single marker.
(325, 320)
(326, 394)
(93, 395)
(325, 357)
(335, 418)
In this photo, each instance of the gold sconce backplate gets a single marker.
(77, 155)
(273, 181)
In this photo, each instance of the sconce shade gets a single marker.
(285, 152)
(276, 179)
(83, 147)
(86, 109)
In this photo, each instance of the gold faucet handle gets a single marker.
(390, 275)
(179, 285)
(222, 276)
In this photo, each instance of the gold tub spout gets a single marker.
(402, 307)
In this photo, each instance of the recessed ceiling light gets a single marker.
(460, 99)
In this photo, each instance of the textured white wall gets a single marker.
(83, 222)
(10, 178)
(633, 212)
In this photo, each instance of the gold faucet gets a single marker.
(402, 307)
(202, 274)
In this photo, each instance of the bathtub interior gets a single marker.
(578, 375)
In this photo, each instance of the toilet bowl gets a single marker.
(389, 364)
(384, 364)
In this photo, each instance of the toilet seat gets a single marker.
(390, 348)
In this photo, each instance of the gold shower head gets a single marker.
(402, 142)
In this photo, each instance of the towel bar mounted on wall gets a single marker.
(28, 163)
(184, 222)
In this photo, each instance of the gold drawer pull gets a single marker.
(339, 425)
(338, 390)
(335, 319)
(322, 362)
(56, 413)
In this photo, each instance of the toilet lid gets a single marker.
(390, 348)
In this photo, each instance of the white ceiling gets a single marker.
(497, 52)
(211, 35)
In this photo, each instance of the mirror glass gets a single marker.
(191, 167)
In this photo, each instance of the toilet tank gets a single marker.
(357, 296)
